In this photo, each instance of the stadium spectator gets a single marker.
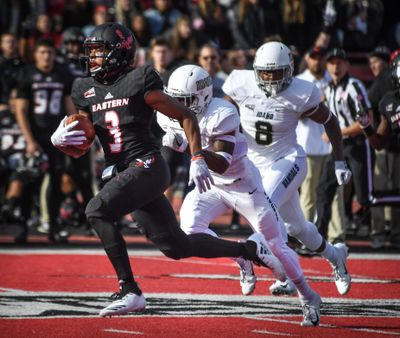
(140, 27)
(100, 15)
(43, 29)
(212, 23)
(125, 10)
(184, 40)
(209, 58)
(162, 16)
(247, 24)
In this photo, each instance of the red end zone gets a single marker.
(60, 295)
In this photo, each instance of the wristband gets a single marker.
(369, 131)
(198, 155)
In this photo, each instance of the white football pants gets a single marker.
(282, 180)
(248, 198)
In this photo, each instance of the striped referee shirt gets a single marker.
(346, 99)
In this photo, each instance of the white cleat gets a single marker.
(129, 299)
(311, 311)
(340, 273)
(131, 302)
(266, 257)
(247, 277)
(286, 288)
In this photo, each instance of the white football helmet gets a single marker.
(192, 85)
(273, 56)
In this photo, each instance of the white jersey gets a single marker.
(269, 123)
(221, 117)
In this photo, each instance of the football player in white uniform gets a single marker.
(237, 182)
(271, 102)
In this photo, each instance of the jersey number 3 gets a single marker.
(263, 133)
(112, 119)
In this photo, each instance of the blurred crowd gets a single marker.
(47, 191)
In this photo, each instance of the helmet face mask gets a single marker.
(273, 67)
(115, 44)
(192, 86)
(395, 67)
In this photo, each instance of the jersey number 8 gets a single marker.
(263, 133)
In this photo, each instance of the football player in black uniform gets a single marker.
(120, 100)
(43, 95)
(387, 135)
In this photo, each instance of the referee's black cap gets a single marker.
(337, 53)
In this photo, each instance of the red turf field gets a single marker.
(58, 294)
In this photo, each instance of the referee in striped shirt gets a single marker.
(345, 97)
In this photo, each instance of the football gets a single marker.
(87, 126)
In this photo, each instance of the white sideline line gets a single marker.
(273, 333)
(122, 331)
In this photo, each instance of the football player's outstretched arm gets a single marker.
(175, 110)
(321, 114)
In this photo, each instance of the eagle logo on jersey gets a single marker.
(89, 93)
(146, 163)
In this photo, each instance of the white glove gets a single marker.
(64, 136)
(343, 173)
(199, 174)
(174, 141)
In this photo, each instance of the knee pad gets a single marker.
(171, 246)
(97, 208)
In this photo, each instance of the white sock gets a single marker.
(330, 253)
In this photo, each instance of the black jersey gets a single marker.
(46, 94)
(9, 69)
(389, 107)
(119, 113)
(11, 138)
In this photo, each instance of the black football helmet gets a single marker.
(33, 166)
(71, 35)
(119, 49)
(396, 71)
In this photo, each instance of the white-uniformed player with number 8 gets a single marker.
(237, 182)
(271, 102)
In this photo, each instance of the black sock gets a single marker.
(207, 246)
(114, 246)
